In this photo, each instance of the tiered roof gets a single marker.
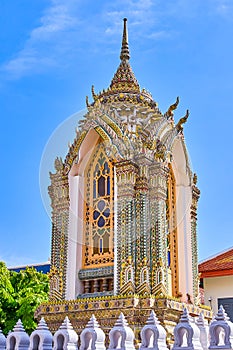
(219, 265)
(124, 85)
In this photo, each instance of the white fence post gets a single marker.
(92, 337)
(121, 335)
(2, 341)
(221, 331)
(204, 331)
(18, 339)
(41, 338)
(65, 337)
(187, 334)
(153, 335)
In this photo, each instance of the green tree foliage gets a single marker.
(20, 295)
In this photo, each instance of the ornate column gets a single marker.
(126, 172)
(105, 284)
(193, 212)
(172, 235)
(96, 286)
(159, 230)
(142, 227)
(87, 286)
(59, 194)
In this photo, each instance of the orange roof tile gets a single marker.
(222, 261)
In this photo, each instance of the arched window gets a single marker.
(36, 342)
(129, 274)
(160, 276)
(144, 275)
(98, 216)
(60, 342)
(12, 343)
(54, 283)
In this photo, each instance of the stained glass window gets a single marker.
(98, 228)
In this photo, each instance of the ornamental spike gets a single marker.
(87, 102)
(183, 120)
(93, 93)
(125, 46)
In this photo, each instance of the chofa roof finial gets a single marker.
(125, 46)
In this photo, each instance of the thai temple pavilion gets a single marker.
(124, 213)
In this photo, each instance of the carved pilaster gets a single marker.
(87, 286)
(172, 235)
(96, 286)
(142, 227)
(126, 173)
(158, 228)
(105, 285)
(59, 194)
(193, 213)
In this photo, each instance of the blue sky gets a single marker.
(53, 51)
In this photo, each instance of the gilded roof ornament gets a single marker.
(195, 178)
(179, 125)
(124, 78)
(160, 150)
(124, 85)
(58, 164)
(93, 93)
(125, 46)
(87, 102)
(170, 112)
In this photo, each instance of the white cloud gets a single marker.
(40, 50)
(160, 34)
(13, 260)
(224, 7)
(139, 12)
(55, 20)
(51, 43)
(26, 60)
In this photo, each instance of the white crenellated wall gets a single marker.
(189, 334)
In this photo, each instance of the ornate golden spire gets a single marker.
(125, 46)
(124, 85)
(124, 78)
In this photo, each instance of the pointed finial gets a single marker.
(66, 324)
(19, 327)
(92, 323)
(125, 46)
(121, 321)
(152, 319)
(42, 325)
(195, 178)
(185, 315)
(201, 320)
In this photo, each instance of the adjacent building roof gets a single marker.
(40, 267)
(218, 265)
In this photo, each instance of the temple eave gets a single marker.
(107, 309)
(127, 94)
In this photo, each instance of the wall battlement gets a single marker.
(190, 334)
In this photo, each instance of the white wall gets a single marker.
(75, 231)
(180, 167)
(217, 287)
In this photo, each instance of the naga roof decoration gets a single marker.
(127, 118)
